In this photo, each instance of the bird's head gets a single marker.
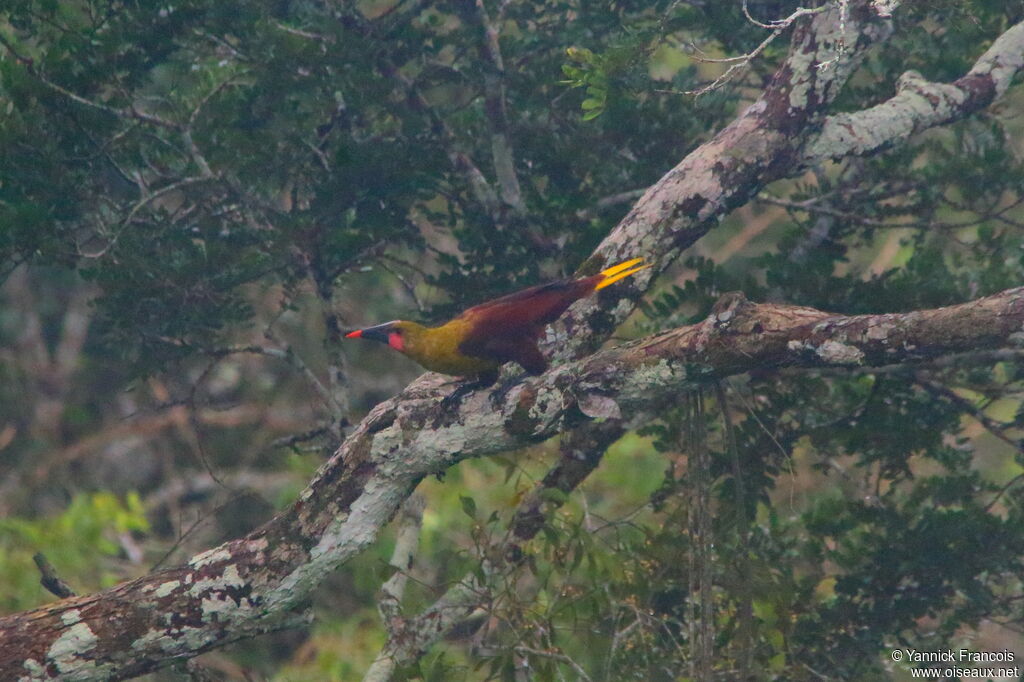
(398, 334)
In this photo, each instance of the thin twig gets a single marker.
(609, 201)
(49, 578)
(289, 356)
(991, 425)
(557, 656)
(994, 427)
(812, 206)
(409, 287)
(742, 62)
(292, 441)
(129, 113)
(306, 34)
(195, 524)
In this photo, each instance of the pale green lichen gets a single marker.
(71, 616)
(836, 353)
(654, 375)
(209, 557)
(66, 651)
(343, 538)
(35, 669)
(166, 588)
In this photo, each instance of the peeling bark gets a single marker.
(581, 452)
(762, 145)
(246, 585)
(921, 104)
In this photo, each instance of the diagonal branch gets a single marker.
(760, 146)
(243, 586)
(993, 426)
(920, 104)
(392, 590)
(246, 585)
(581, 452)
(480, 188)
(774, 138)
(460, 161)
(127, 113)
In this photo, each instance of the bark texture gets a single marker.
(248, 585)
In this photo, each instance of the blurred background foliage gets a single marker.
(196, 198)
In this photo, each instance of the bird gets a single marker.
(481, 339)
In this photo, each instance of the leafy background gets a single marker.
(238, 182)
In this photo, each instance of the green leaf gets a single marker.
(468, 506)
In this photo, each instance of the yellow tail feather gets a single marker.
(620, 271)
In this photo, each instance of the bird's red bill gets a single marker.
(354, 335)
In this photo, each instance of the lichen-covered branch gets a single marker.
(580, 453)
(786, 130)
(391, 592)
(920, 104)
(247, 585)
(760, 146)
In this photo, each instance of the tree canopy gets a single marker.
(197, 198)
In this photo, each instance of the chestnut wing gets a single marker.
(506, 329)
(528, 309)
(519, 349)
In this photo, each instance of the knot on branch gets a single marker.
(885, 8)
(935, 93)
(913, 81)
(728, 311)
(730, 307)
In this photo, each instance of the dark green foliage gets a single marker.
(254, 173)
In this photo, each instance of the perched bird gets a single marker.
(483, 338)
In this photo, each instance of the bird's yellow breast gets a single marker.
(437, 349)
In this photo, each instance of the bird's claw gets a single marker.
(452, 401)
(499, 394)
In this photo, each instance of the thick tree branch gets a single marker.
(246, 585)
(391, 592)
(777, 137)
(921, 104)
(760, 146)
(581, 452)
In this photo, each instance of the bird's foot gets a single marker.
(453, 399)
(499, 394)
